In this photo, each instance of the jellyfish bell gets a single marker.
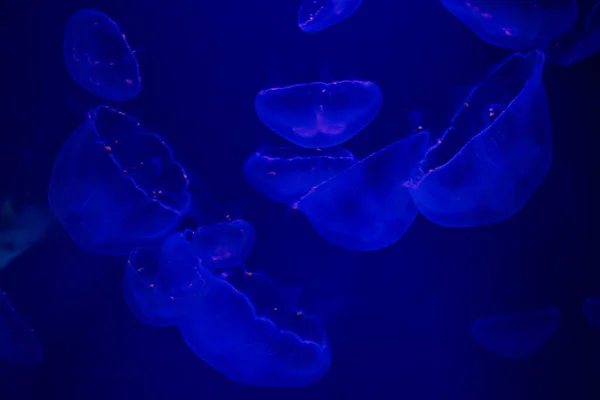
(483, 170)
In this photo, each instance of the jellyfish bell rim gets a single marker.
(536, 72)
(92, 117)
(320, 84)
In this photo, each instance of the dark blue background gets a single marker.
(405, 332)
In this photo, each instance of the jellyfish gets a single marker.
(368, 206)
(515, 25)
(580, 42)
(99, 58)
(316, 15)
(224, 244)
(591, 310)
(19, 344)
(285, 174)
(495, 153)
(318, 115)
(116, 186)
(516, 335)
(239, 322)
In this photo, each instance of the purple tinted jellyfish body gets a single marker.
(516, 335)
(316, 15)
(515, 24)
(99, 58)
(19, 344)
(495, 153)
(368, 206)
(285, 174)
(317, 115)
(116, 186)
(239, 322)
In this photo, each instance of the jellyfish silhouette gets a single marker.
(317, 115)
(580, 42)
(18, 343)
(241, 323)
(495, 153)
(368, 206)
(316, 15)
(591, 310)
(515, 24)
(115, 186)
(516, 335)
(99, 58)
(285, 174)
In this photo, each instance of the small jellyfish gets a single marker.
(591, 310)
(285, 174)
(483, 170)
(316, 15)
(115, 186)
(318, 115)
(515, 25)
(368, 206)
(18, 343)
(99, 58)
(516, 335)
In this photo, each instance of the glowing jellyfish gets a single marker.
(580, 42)
(99, 58)
(591, 310)
(515, 24)
(18, 343)
(368, 206)
(516, 335)
(317, 115)
(224, 244)
(116, 186)
(316, 15)
(496, 152)
(285, 174)
(239, 322)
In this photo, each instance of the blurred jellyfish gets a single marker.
(18, 343)
(368, 206)
(516, 335)
(116, 186)
(495, 153)
(316, 15)
(515, 25)
(99, 58)
(285, 174)
(317, 115)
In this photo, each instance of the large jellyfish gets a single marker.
(18, 343)
(495, 153)
(516, 335)
(239, 322)
(316, 15)
(316, 115)
(368, 206)
(285, 174)
(99, 58)
(115, 186)
(515, 24)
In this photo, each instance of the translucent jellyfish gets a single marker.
(99, 58)
(516, 335)
(515, 24)
(316, 15)
(18, 343)
(579, 43)
(285, 174)
(224, 244)
(591, 310)
(239, 322)
(115, 186)
(317, 115)
(495, 153)
(368, 206)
